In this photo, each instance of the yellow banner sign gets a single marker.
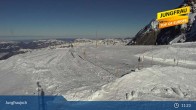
(173, 17)
(173, 13)
(169, 23)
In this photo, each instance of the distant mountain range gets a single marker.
(151, 35)
(10, 48)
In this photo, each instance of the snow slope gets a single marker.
(57, 71)
(155, 83)
(183, 55)
(103, 73)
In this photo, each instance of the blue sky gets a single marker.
(78, 18)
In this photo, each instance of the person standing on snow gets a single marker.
(140, 60)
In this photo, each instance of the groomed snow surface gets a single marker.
(108, 73)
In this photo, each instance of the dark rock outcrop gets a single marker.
(151, 35)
